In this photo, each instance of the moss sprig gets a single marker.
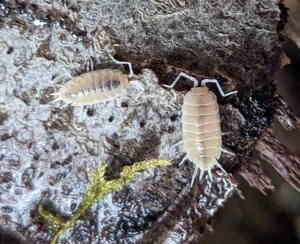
(96, 189)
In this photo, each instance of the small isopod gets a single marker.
(95, 87)
(201, 132)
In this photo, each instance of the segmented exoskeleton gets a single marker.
(94, 87)
(202, 137)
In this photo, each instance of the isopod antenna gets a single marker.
(123, 62)
(182, 74)
(203, 83)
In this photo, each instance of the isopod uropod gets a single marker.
(201, 126)
(94, 87)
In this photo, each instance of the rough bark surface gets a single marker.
(271, 150)
(45, 150)
(285, 116)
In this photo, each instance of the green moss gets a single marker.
(97, 188)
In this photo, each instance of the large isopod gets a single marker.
(201, 132)
(95, 87)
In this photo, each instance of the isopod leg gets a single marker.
(210, 175)
(226, 151)
(54, 94)
(194, 176)
(182, 161)
(82, 108)
(203, 83)
(123, 62)
(201, 174)
(182, 74)
(70, 76)
(220, 166)
(139, 95)
(89, 65)
(65, 105)
(56, 100)
(138, 83)
(178, 143)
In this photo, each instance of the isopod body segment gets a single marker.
(201, 127)
(201, 132)
(95, 87)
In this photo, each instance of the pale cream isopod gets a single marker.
(201, 132)
(95, 87)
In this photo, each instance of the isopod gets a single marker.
(201, 132)
(95, 87)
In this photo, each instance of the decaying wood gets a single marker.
(285, 116)
(254, 175)
(271, 150)
(287, 165)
